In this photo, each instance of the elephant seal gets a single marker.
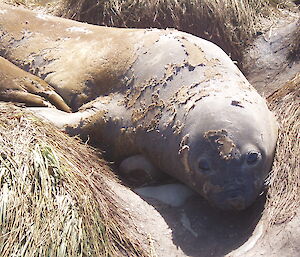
(171, 97)
(18, 85)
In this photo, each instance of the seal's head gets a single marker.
(231, 149)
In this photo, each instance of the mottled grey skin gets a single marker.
(176, 99)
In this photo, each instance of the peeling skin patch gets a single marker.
(21, 39)
(171, 110)
(171, 70)
(178, 127)
(196, 56)
(132, 95)
(79, 29)
(145, 114)
(3, 11)
(183, 95)
(220, 141)
(148, 116)
(191, 102)
(154, 38)
(137, 115)
(210, 73)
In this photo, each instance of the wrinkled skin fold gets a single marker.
(173, 98)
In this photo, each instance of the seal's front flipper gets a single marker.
(139, 171)
(17, 85)
(59, 118)
(174, 194)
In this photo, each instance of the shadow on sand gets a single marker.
(201, 230)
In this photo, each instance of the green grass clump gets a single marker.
(54, 196)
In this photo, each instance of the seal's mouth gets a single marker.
(232, 199)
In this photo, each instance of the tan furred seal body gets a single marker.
(18, 85)
(174, 98)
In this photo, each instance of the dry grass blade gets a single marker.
(284, 190)
(54, 198)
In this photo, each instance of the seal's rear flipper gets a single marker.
(139, 171)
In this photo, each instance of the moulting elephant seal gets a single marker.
(173, 98)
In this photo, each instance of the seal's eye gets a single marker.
(252, 157)
(203, 165)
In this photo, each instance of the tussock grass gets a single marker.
(231, 24)
(284, 191)
(54, 198)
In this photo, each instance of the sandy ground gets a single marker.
(196, 229)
